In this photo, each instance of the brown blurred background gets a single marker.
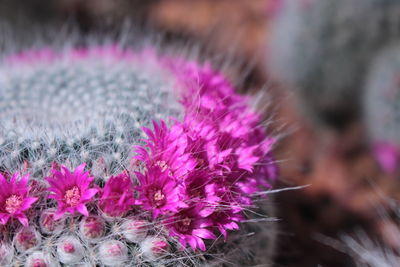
(346, 185)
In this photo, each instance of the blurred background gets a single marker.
(348, 188)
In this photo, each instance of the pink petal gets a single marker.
(59, 214)
(204, 233)
(13, 179)
(24, 181)
(201, 244)
(82, 210)
(192, 242)
(28, 202)
(2, 179)
(207, 211)
(80, 169)
(122, 198)
(4, 218)
(22, 219)
(89, 194)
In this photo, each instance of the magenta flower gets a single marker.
(167, 150)
(71, 190)
(14, 199)
(117, 196)
(190, 228)
(159, 192)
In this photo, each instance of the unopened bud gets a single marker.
(92, 227)
(154, 247)
(70, 250)
(26, 239)
(113, 253)
(47, 223)
(135, 230)
(40, 259)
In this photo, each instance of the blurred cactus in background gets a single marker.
(382, 107)
(323, 49)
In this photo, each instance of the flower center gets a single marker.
(186, 221)
(158, 195)
(162, 164)
(13, 203)
(73, 196)
(184, 225)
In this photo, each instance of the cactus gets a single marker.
(382, 107)
(323, 48)
(112, 156)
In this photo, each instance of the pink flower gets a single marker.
(14, 199)
(159, 192)
(167, 150)
(71, 190)
(117, 196)
(190, 228)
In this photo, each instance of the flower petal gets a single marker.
(82, 210)
(28, 203)
(88, 194)
(22, 219)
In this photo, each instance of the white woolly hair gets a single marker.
(323, 48)
(79, 111)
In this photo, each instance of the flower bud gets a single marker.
(40, 259)
(92, 228)
(48, 224)
(70, 250)
(135, 230)
(113, 253)
(154, 247)
(26, 239)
